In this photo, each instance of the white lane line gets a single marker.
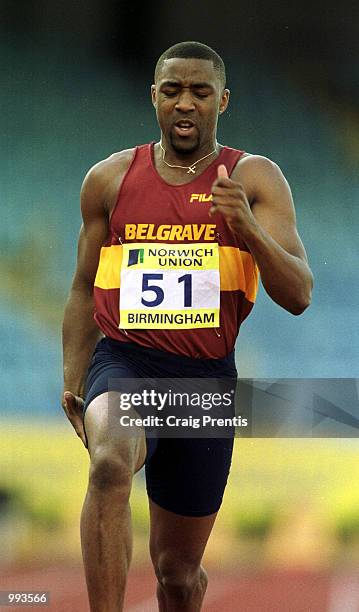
(344, 594)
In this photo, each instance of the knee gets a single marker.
(177, 577)
(110, 470)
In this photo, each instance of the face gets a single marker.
(188, 97)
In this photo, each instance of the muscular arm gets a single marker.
(80, 332)
(268, 227)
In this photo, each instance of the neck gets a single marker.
(186, 158)
(187, 164)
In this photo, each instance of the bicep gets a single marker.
(273, 208)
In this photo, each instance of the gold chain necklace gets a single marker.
(190, 169)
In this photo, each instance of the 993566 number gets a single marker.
(24, 598)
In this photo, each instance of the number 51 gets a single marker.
(186, 279)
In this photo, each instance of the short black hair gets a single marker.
(192, 49)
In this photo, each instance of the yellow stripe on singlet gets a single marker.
(238, 271)
(237, 268)
(109, 267)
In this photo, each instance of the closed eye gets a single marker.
(169, 91)
(201, 91)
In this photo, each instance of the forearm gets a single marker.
(80, 335)
(286, 278)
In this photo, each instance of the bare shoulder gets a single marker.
(102, 182)
(258, 174)
(264, 184)
(117, 163)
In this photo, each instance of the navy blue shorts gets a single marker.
(183, 475)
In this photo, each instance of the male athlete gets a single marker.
(171, 320)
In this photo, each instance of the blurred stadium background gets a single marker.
(75, 81)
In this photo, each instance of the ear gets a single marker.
(153, 94)
(224, 101)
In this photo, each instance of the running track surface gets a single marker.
(230, 592)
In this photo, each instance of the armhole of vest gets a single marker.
(123, 182)
(237, 156)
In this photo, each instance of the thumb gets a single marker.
(72, 404)
(68, 397)
(222, 171)
(71, 401)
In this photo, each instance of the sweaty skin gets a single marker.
(256, 203)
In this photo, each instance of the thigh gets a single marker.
(106, 434)
(102, 410)
(188, 476)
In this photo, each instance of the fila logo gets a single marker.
(201, 197)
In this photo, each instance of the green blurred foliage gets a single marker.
(44, 471)
(347, 528)
(254, 523)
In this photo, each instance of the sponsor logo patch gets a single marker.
(201, 197)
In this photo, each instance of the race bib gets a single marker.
(169, 286)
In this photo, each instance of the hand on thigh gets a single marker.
(105, 432)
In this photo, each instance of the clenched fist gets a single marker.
(229, 199)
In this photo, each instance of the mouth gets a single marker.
(184, 127)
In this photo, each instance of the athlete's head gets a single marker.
(193, 50)
(189, 93)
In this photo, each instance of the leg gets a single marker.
(177, 545)
(106, 535)
(186, 479)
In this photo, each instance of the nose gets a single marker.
(185, 101)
